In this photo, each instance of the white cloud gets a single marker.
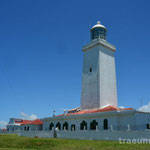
(28, 117)
(145, 108)
(122, 107)
(3, 124)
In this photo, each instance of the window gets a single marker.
(65, 126)
(73, 127)
(90, 69)
(147, 126)
(98, 33)
(105, 124)
(93, 125)
(83, 125)
(58, 125)
(51, 126)
(25, 128)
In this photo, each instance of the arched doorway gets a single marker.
(65, 126)
(93, 125)
(105, 124)
(58, 125)
(51, 126)
(28, 128)
(83, 125)
(73, 127)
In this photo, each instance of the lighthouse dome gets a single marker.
(98, 31)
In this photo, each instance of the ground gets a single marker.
(14, 142)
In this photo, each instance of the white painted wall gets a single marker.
(118, 120)
(141, 120)
(108, 89)
(42, 134)
(99, 86)
(90, 96)
(104, 135)
(89, 135)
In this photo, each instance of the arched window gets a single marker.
(73, 127)
(148, 126)
(105, 124)
(27, 128)
(83, 125)
(90, 69)
(65, 126)
(51, 126)
(93, 125)
(58, 125)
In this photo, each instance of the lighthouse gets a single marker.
(99, 74)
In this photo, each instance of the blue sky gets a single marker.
(41, 57)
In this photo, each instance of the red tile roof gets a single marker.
(105, 109)
(3, 130)
(32, 122)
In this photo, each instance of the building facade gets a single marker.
(108, 118)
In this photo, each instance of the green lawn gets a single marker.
(14, 142)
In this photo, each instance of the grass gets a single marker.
(14, 142)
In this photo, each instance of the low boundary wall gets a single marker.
(41, 134)
(104, 135)
(89, 135)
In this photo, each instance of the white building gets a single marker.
(16, 125)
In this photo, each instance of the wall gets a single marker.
(22, 127)
(42, 134)
(112, 120)
(108, 89)
(90, 80)
(119, 120)
(103, 135)
(99, 86)
(89, 135)
(142, 118)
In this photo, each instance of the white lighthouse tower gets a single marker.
(99, 75)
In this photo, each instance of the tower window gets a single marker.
(90, 69)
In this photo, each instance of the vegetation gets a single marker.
(14, 142)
